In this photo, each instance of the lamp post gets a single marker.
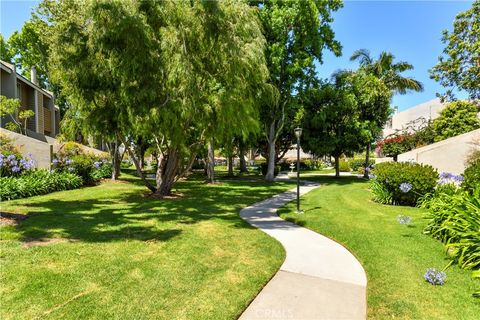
(298, 133)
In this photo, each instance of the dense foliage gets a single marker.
(454, 218)
(472, 176)
(296, 33)
(73, 159)
(403, 183)
(36, 183)
(459, 67)
(458, 117)
(332, 120)
(356, 164)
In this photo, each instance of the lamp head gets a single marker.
(298, 132)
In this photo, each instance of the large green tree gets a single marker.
(29, 49)
(5, 51)
(332, 124)
(296, 33)
(375, 110)
(459, 65)
(192, 72)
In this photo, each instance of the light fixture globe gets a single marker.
(298, 132)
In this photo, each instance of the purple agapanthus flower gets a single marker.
(447, 178)
(15, 169)
(404, 219)
(68, 161)
(98, 164)
(405, 187)
(435, 277)
(55, 161)
(11, 157)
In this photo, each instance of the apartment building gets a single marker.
(414, 116)
(31, 96)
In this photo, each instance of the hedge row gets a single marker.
(36, 183)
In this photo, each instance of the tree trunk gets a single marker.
(270, 176)
(337, 166)
(167, 179)
(205, 167)
(211, 163)
(115, 154)
(139, 170)
(367, 159)
(395, 157)
(243, 163)
(230, 166)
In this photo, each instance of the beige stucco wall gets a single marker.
(428, 110)
(448, 155)
(39, 150)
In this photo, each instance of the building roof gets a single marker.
(11, 68)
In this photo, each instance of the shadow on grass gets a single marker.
(125, 213)
(331, 180)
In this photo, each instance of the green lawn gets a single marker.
(120, 255)
(394, 256)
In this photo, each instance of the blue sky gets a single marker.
(411, 30)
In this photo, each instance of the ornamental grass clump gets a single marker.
(402, 183)
(435, 277)
(454, 219)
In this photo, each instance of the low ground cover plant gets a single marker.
(402, 183)
(37, 182)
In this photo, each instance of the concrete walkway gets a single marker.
(319, 278)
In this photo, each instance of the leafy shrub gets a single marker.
(406, 182)
(126, 164)
(454, 219)
(72, 158)
(356, 164)
(472, 175)
(103, 170)
(36, 183)
(344, 166)
(311, 164)
(306, 164)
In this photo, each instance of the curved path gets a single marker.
(319, 278)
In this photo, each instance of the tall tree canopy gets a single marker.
(194, 70)
(375, 109)
(458, 117)
(296, 33)
(459, 66)
(331, 122)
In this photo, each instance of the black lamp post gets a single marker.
(298, 133)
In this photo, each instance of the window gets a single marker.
(19, 91)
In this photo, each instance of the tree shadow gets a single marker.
(331, 180)
(128, 214)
